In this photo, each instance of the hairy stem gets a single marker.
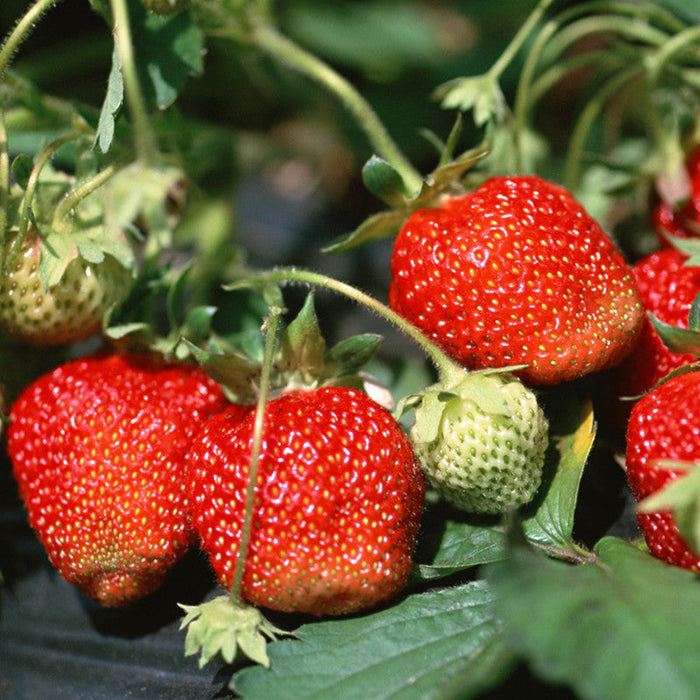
(83, 190)
(445, 365)
(4, 182)
(271, 328)
(21, 31)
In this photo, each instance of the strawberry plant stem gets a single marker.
(271, 327)
(445, 366)
(519, 39)
(4, 180)
(66, 206)
(25, 213)
(267, 38)
(21, 31)
(143, 135)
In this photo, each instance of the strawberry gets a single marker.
(664, 425)
(339, 496)
(682, 221)
(69, 311)
(516, 272)
(482, 442)
(97, 447)
(668, 288)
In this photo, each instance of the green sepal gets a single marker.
(681, 496)
(444, 179)
(431, 404)
(301, 360)
(153, 196)
(22, 166)
(679, 340)
(383, 181)
(223, 627)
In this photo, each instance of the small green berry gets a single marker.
(482, 443)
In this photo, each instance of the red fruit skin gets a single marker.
(683, 222)
(668, 288)
(339, 498)
(516, 272)
(97, 448)
(665, 424)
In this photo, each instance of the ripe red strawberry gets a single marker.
(683, 221)
(338, 502)
(516, 272)
(97, 447)
(664, 424)
(668, 288)
(68, 311)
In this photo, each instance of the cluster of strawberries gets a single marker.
(124, 462)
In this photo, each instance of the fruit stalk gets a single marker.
(271, 326)
(270, 40)
(446, 368)
(21, 31)
(4, 179)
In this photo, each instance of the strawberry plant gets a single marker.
(349, 349)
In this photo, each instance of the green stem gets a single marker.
(443, 363)
(21, 31)
(66, 206)
(266, 37)
(33, 182)
(588, 117)
(4, 182)
(143, 135)
(519, 39)
(681, 41)
(271, 329)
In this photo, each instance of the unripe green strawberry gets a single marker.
(66, 312)
(482, 443)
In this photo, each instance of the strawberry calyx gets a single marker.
(227, 627)
(461, 385)
(301, 360)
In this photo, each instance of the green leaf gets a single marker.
(351, 354)
(424, 646)
(694, 315)
(572, 432)
(168, 51)
(455, 545)
(623, 626)
(110, 106)
(236, 372)
(383, 181)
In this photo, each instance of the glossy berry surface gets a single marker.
(339, 497)
(516, 272)
(668, 288)
(97, 447)
(664, 425)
